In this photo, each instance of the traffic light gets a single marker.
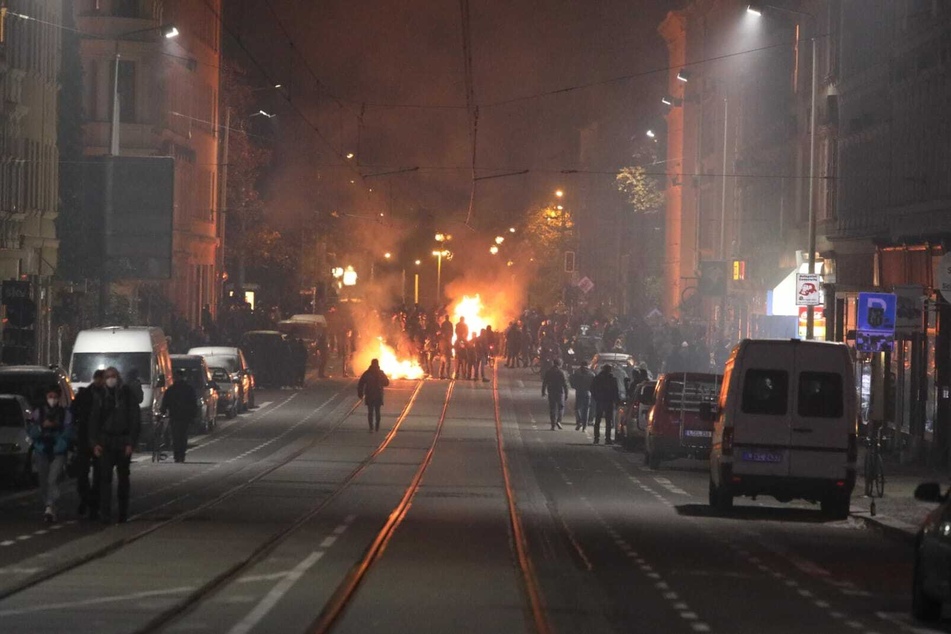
(569, 261)
(713, 277)
(19, 336)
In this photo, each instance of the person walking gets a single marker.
(82, 411)
(606, 395)
(556, 385)
(181, 404)
(114, 427)
(581, 380)
(51, 433)
(513, 345)
(462, 330)
(370, 389)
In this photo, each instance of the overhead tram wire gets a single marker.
(267, 76)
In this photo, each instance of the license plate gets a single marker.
(698, 433)
(762, 456)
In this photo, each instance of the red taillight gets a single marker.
(727, 447)
(852, 454)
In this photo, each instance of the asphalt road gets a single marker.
(464, 513)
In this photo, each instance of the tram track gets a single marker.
(114, 546)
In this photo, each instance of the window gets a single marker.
(766, 392)
(820, 395)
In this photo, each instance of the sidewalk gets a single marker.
(898, 513)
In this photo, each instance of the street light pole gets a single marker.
(810, 310)
(756, 8)
(439, 276)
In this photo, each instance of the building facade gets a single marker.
(738, 139)
(168, 105)
(893, 218)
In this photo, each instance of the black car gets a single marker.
(269, 353)
(32, 381)
(931, 587)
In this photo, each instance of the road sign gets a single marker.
(944, 276)
(877, 312)
(876, 322)
(586, 285)
(909, 315)
(808, 289)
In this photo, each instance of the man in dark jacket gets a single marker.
(556, 385)
(114, 427)
(82, 411)
(181, 403)
(370, 389)
(606, 395)
(581, 380)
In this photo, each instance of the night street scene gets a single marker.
(489, 316)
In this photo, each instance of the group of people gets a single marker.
(600, 390)
(101, 430)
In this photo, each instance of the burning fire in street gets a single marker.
(472, 309)
(396, 369)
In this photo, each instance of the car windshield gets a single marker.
(194, 375)
(228, 363)
(220, 375)
(32, 387)
(11, 415)
(84, 364)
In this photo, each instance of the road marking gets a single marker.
(263, 405)
(328, 541)
(101, 600)
(8, 542)
(23, 538)
(19, 571)
(274, 576)
(271, 599)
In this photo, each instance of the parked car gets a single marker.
(198, 376)
(234, 361)
(619, 362)
(786, 425)
(229, 393)
(15, 446)
(131, 350)
(931, 581)
(32, 381)
(270, 354)
(632, 423)
(675, 428)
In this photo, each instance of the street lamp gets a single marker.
(387, 255)
(756, 9)
(511, 229)
(683, 76)
(559, 193)
(499, 239)
(650, 134)
(494, 250)
(440, 254)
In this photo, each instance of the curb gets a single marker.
(888, 526)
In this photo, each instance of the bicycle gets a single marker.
(874, 467)
(159, 440)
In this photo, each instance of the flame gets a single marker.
(472, 309)
(396, 369)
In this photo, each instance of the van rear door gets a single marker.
(820, 429)
(761, 425)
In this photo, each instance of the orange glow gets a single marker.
(473, 310)
(396, 369)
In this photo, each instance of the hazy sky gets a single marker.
(389, 54)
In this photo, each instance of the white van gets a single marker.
(143, 349)
(786, 425)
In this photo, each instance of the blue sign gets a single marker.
(877, 312)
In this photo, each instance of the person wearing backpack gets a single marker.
(51, 433)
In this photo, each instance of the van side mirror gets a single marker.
(930, 492)
(160, 382)
(708, 412)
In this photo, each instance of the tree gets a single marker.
(643, 189)
(549, 233)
